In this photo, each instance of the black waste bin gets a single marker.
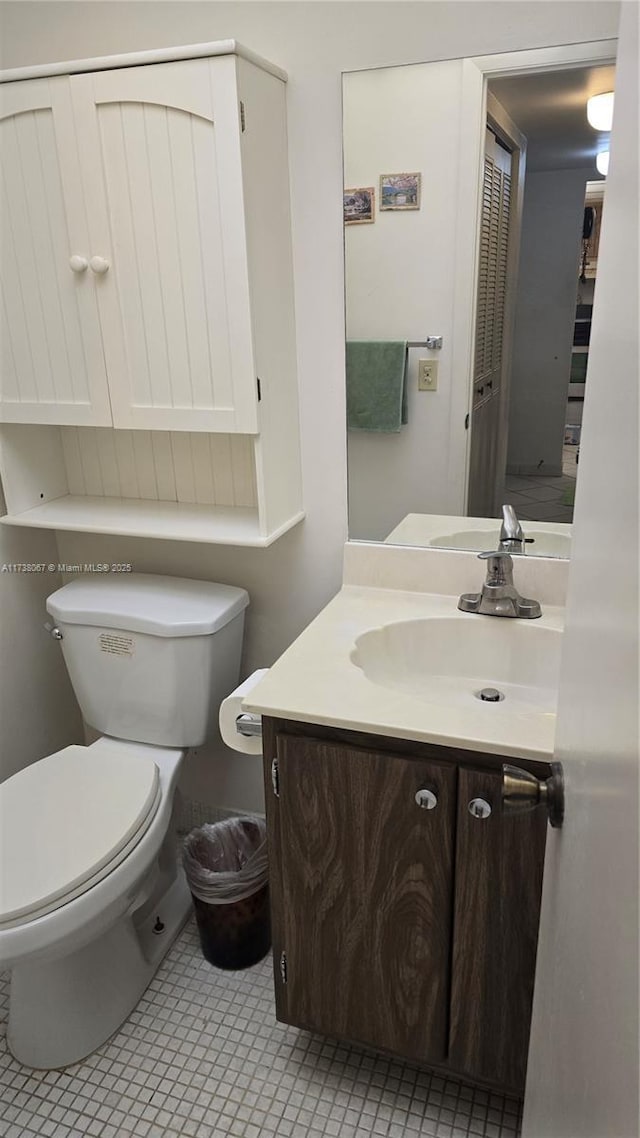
(228, 875)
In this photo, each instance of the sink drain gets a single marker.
(490, 695)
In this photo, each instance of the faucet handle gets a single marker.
(510, 523)
(499, 566)
(511, 535)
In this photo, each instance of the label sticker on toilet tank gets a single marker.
(116, 645)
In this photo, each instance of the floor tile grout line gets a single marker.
(200, 1037)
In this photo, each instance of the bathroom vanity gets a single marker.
(405, 900)
(405, 905)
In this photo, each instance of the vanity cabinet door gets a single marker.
(499, 865)
(361, 880)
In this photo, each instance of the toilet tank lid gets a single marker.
(144, 602)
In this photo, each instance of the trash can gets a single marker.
(228, 875)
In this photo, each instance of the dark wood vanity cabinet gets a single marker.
(410, 928)
(496, 912)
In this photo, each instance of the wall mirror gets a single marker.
(473, 197)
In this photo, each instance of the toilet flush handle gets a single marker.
(54, 631)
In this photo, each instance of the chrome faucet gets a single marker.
(512, 539)
(499, 596)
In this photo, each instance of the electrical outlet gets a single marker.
(427, 375)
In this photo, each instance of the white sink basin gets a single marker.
(544, 544)
(454, 658)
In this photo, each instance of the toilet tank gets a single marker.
(150, 658)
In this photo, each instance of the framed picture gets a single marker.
(359, 205)
(400, 191)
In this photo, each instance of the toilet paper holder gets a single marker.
(248, 724)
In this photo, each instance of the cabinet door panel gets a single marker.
(163, 172)
(499, 865)
(53, 367)
(363, 895)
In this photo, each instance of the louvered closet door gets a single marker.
(161, 147)
(492, 281)
(52, 368)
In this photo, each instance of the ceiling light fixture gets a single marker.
(600, 111)
(602, 163)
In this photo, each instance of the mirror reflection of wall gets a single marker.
(554, 299)
(501, 423)
(399, 272)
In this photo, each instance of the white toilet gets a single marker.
(91, 892)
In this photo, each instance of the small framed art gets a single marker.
(400, 191)
(359, 205)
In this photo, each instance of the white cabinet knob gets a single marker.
(78, 264)
(99, 265)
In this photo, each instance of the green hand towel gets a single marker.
(376, 385)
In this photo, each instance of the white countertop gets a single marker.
(315, 680)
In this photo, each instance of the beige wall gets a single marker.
(314, 42)
(401, 280)
(38, 711)
(545, 314)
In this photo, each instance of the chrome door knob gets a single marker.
(426, 799)
(522, 792)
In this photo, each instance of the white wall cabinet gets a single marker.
(147, 286)
(53, 367)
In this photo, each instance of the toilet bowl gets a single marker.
(92, 893)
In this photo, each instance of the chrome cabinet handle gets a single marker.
(522, 792)
(479, 808)
(426, 799)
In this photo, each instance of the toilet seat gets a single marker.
(68, 821)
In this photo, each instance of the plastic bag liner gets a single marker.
(227, 861)
(227, 872)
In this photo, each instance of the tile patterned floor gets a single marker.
(202, 1056)
(544, 499)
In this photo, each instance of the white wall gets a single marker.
(314, 42)
(38, 711)
(545, 313)
(400, 284)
